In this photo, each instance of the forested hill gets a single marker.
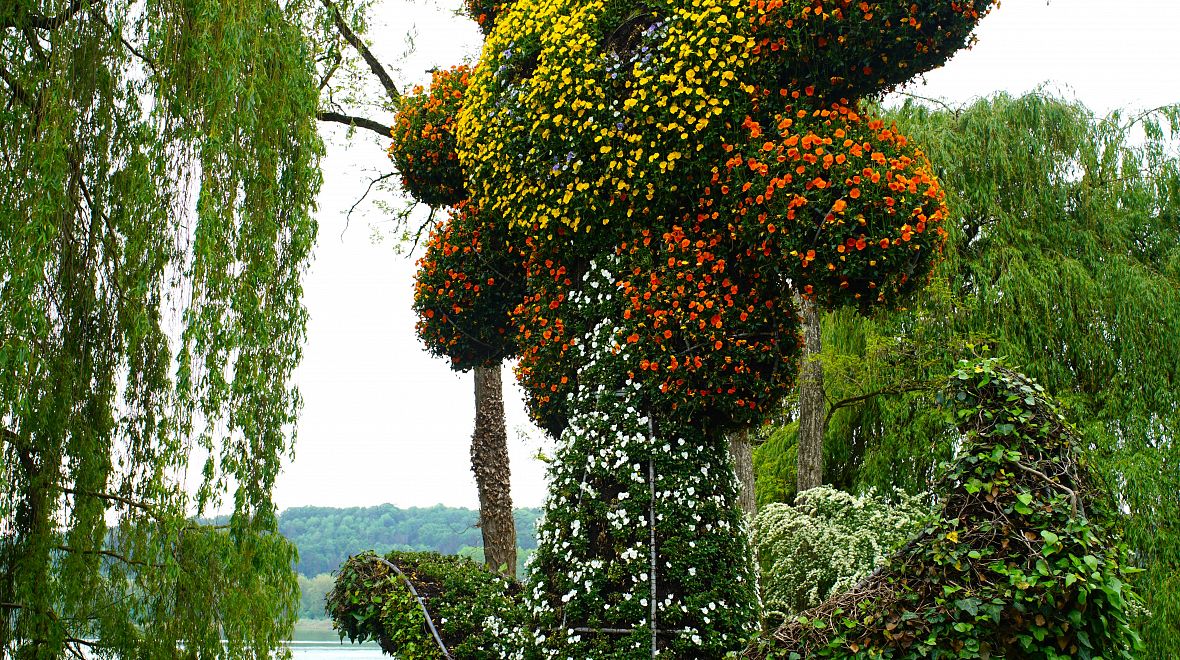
(326, 536)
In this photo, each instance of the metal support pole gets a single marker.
(651, 481)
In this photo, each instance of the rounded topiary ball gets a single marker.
(849, 49)
(839, 205)
(468, 281)
(423, 147)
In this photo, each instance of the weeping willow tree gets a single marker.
(1066, 259)
(158, 167)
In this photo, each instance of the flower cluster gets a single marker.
(702, 341)
(484, 12)
(848, 49)
(827, 542)
(584, 114)
(841, 206)
(468, 281)
(423, 146)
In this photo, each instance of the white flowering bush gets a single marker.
(827, 542)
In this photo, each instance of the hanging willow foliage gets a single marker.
(158, 167)
(1064, 255)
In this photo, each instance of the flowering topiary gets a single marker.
(423, 146)
(665, 239)
(631, 535)
(469, 280)
(666, 235)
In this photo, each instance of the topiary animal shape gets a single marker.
(1019, 565)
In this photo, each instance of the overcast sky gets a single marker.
(385, 422)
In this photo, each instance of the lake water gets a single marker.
(315, 640)
(328, 650)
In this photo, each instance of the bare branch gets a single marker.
(349, 120)
(1074, 501)
(331, 70)
(375, 66)
(422, 229)
(955, 111)
(357, 203)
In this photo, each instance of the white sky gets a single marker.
(385, 422)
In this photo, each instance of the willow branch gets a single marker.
(31, 19)
(151, 64)
(349, 120)
(19, 93)
(375, 66)
(850, 401)
(107, 553)
(111, 497)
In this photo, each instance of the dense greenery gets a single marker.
(371, 601)
(1020, 563)
(159, 170)
(327, 536)
(826, 543)
(1066, 260)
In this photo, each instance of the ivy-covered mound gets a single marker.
(1019, 565)
(672, 185)
(370, 601)
(468, 282)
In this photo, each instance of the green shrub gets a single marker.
(826, 543)
(474, 610)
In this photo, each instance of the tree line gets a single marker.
(327, 536)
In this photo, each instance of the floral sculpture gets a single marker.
(673, 175)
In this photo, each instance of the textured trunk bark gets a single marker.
(743, 464)
(812, 417)
(489, 462)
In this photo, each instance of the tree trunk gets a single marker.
(743, 464)
(489, 462)
(812, 418)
